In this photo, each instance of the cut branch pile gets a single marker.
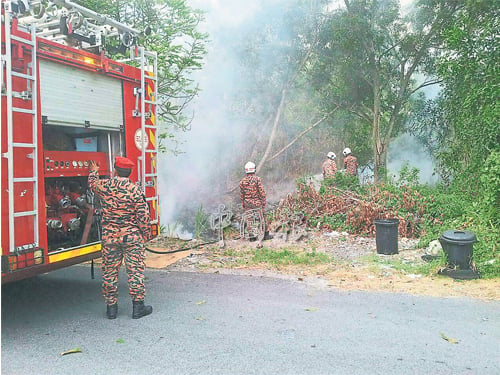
(309, 208)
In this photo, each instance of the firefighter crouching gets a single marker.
(125, 229)
(253, 195)
(329, 166)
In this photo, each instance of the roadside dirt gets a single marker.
(355, 265)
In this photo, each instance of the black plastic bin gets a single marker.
(457, 245)
(386, 236)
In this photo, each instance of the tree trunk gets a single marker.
(378, 145)
(273, 132)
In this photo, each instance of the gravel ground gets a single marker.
(341, 247)
(355, 265)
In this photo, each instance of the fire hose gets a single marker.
(252, 224)
(181, 249)
(218, 221)
(159, 252)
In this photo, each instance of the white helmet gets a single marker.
(331, 155)
(250, 167)
(346, 151)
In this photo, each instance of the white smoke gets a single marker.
(211, 147)
(407, 150)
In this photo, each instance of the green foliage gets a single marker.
(180, 46)
(169, 230)
(288, 257)
(336, 222)
(201, 223)
(469, 106)
(408, 176)
(423, 211)
(366, 59)
(455, 208)
(342, 181)
(273, 55)
(461, 127)
(490, 188)
(486, 252)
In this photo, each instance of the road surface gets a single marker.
(229, 324)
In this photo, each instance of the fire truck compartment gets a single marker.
(77, 97)
(73, 163)
(70, 213)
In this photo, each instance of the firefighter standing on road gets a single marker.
(329, 166)
(125, 228)
(350, 162)
(252, 193)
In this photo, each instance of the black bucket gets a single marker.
(457, 245)
(386, 236)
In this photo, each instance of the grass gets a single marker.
(422, 268)
(288, 257)
(275, 257)
(169, 230)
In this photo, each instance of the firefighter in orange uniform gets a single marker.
(350, 162)
(329, 166)
(252, 194)
(125, 229)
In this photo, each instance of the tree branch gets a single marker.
(425, 84)
(302, 133)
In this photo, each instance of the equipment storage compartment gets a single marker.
(72, 213)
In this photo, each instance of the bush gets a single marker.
(490, 188)
(423, 211)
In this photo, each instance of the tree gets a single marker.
(275, 91)
(367, 61)
(469, 103)
(179, 44)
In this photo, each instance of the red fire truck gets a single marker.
(64, 102)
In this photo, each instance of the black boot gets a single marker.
(140, 310)
(111, 311)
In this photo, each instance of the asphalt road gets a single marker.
(227, 324)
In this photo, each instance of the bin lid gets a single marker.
(386, 222)
(459, 235)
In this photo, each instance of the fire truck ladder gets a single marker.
(149, 95)
(29, 96)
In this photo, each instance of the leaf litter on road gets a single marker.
(311, 309)
(449, 339)
(71, 351)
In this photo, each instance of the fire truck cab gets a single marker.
(64, 102)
